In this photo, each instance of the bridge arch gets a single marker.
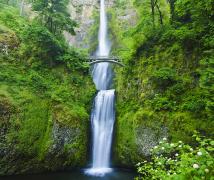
(95, 60)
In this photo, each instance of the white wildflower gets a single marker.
(206, 170)
(169, 159)
(160, 142)
(196, 166)
(164, 139)
(180, 141)
(163, 148)
(155, 147)
(199, 153)
(191, 149)
(180, 146)
(176, 154)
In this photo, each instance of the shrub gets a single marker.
(163, 103)
(163, 78)
(39, 44)
(179, 161)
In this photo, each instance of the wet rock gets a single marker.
(147, 138)
(82, 12)
(62, 135)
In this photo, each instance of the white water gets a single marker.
(102, 72)
(103, 114)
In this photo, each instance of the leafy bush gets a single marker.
(163, 78)
(39, 44)
(194, 103)
(162, 103)
(179, 161)
(54, 16)
(9, 17)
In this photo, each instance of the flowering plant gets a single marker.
(179, 161)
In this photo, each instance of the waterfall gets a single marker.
(103, 114)
(102, 72)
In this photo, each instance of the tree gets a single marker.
(153, 11)
(22, 7)
(154, 4)
(53, 14)
(38, 44)
(172, 9)
(159, 12)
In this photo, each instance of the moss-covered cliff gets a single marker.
(165, 89)
(45, 101)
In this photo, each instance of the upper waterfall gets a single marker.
(102, 72)
(104, 43)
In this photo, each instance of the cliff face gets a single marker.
(85, 13)
(82, 13)
(44, 109)
(34, 139)
(160, 91)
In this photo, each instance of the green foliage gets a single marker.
(194, 103)
(93, 33)
(9, 16)
(39, 44)
(33, 126)
(168, 72)
(162, 103)
(179, 161)
(54, 15)
(206, 83)
(125, 141)
(163, 78)
(75, 60)
(43, 82)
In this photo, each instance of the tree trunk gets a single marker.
(51, 25)
(22, 7)
(160, 14)
(172, 9)
(153, 12)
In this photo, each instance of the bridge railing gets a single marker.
(99, 59)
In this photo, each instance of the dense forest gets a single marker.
(165, 104)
